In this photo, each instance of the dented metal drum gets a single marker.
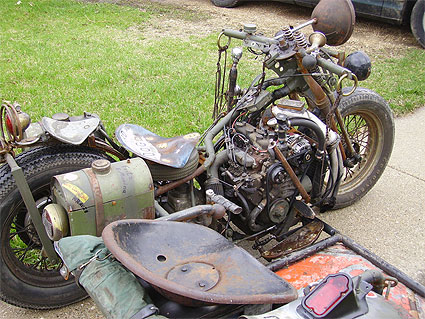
(97, 196)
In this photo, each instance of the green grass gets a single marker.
(66, 56)
(70, 56)
(401, 81)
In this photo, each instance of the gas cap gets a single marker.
(101, 166)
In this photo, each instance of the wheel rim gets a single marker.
(366, 135)
(21, 250)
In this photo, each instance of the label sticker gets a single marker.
(83, 197)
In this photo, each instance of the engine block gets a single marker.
(259, 182)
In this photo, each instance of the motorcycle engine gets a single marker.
(255, 178)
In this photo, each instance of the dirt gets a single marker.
(377, 39)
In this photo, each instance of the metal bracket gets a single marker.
(31, 206)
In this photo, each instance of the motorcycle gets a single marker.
(267, 159)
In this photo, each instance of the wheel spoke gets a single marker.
(20, 230)
(359, 132)
(35, 264)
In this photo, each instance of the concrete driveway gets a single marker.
(390, 219)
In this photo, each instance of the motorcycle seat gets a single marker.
(72, 132)
(194, 265)
(172, 152)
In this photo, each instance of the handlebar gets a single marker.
(326, 64)
(334, 68)
(263, 43)
(242, 35)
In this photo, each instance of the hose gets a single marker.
(299, 121)
(209, 145)
(220, 159)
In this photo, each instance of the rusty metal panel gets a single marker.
(339, 258)
(335, 19)
(300, 239)
(194, 265)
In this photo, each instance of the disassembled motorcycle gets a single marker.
(265, 161)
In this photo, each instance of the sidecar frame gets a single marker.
(340, 253)
(337, 237)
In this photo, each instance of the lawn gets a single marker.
(70, 56)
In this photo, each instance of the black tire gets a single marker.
(26, 278)
(370, 124)
(226, 3)
(417, 22)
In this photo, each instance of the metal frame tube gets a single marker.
(357, 248)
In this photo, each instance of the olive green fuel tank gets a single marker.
(94, 197)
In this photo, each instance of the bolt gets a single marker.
(202, 285)
(184, 269)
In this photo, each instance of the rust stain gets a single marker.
(318, 266)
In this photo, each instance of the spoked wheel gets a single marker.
(21, 246)
(370, 125)
(27, 278)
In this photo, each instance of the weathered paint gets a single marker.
(94, 200)
(338, 258)
(172, 152)
(75, 132)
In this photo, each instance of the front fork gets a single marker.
(351, 157)
(31, 206)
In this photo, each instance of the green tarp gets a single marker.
(116, 291)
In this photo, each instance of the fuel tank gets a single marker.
(93, 197)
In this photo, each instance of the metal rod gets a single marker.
(306, 252)
(160, 212)
(31, 206)
(357, 248)
(216, 211)
(344, 132)
(292, 174)
(305, 24)
(163, 189)
(385, 266)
